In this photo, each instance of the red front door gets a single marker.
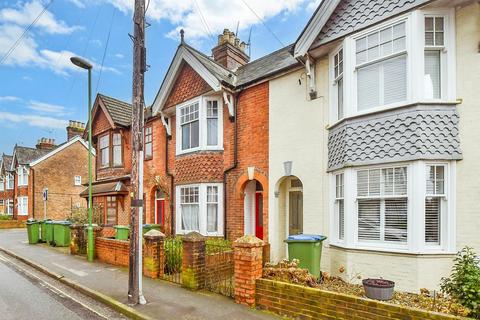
(160, 211)
(259, 215)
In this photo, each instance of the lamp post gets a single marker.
(79, 62)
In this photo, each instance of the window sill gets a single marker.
(188, 152)
(148, 159)
(391, 250)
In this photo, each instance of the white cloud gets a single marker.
(9, 98)
(46, 107)
(219, 14)
(312, 6)
(24, 15)
(33, 120)
(119, 56)
(77, 3)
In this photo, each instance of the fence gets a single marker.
(172, 260)
(219, 268)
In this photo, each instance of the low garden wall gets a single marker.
(11, 224)
(112, 251)
(299, 302)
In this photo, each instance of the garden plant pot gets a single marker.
(379, 289)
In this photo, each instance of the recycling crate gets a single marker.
(307, 248)
(32, 231)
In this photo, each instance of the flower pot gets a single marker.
(378, 289)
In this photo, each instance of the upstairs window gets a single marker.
(190, 124)
(77, 181)
(338, 76)
(200, 125)
(381, 64)
(382, 205)
(117, 150)
(434, 47)
(10, 181)
(148, 142)
(22, 176)
(104, 151)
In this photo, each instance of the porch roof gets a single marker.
(110, 188)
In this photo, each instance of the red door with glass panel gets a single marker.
(160, 211)
(259, 215)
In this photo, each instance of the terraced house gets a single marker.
(6, 185)
(377, 147)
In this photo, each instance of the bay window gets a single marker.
(381, 64)
(22, 176)
(200, 125)
(105, 151)
(402, 208)
(199, 208)
(22, 206)
(434, 46)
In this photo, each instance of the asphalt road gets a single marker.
(28, 294)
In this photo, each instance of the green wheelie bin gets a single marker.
(307, 248)
(121, 232)
(32, 231)
(43, 230)
(61, 233)
(48, 231)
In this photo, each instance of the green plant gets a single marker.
(80, 215)
(217, 245)
(173, 255)
(5, 217)
(464, 282)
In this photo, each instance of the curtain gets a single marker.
(212, 217)
(190, 217)
(212, 132)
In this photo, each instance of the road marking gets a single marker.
(75, 272)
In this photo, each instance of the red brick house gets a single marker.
(111, 138)
(209, 166)
(6, 185)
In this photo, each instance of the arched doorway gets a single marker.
(253, 209)
(159, 215)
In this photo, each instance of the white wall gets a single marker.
(297, 134)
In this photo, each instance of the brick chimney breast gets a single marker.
(45, 144)
(230, 51)
(75, 129)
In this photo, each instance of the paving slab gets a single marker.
(165, 300)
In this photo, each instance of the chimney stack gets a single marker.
(75, 129)
(45, 144)
(230, 51)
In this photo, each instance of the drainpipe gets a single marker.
(235, 162)
(33, 192)
(172, 192)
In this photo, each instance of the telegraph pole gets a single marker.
(135, 295)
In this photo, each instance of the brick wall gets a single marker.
(188, 85)
(100, 122)
(300, 302)
(11, 224)
(57, 173)
(112, 251)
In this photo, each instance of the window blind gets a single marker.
(368, 219)
(432, 220)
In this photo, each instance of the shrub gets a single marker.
(464, 281)
(80, 215)
(217, 245)
(5, 217)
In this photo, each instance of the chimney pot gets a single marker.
(230, 51)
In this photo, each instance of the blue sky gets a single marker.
(40, 88)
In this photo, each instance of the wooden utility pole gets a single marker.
(139, 68)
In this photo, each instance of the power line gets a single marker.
(204, 22)
(15, 45)
(106, 47)
(263, 22)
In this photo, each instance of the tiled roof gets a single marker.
(266, 66)
(106, 188)
(121, 112)
(353, 15)
(25, 155)
(428, 132)
(6, 162)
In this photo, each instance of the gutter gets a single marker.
(232, 167)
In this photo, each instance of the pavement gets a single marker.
(26, 292)
(165, 300)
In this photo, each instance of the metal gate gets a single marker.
(219, 269)
(173, 259)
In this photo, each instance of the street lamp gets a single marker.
(79, 62)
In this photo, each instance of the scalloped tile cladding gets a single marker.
(413, 133)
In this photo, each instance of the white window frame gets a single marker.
(202, 109)
(77, 180)
(336, 218)
(416, 192)
(334, 86)
(22, 206)
(202, 213)
(2, 184)
(10, 181)
(415, 51)
(9, 207)
(23, 174)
